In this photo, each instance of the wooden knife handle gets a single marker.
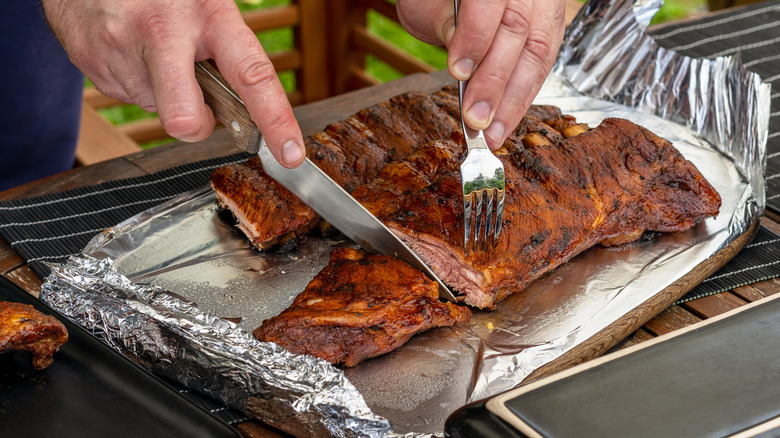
(227, 106)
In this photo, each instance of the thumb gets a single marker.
(430, 21)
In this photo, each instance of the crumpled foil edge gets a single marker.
(171, 337)
(608, 55)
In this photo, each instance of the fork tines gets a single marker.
(482, 176)
(485, 219)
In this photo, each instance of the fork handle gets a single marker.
(462, 85)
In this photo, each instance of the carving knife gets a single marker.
(308, 182)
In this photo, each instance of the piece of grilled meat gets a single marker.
(360, 306)
(266, 212)
(605, 185)
(351, 151)
(568, 188)
(24, 328)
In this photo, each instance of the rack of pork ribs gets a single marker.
(568, 188)
(22, 328)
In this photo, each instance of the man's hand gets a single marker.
(143, 52)
(505, 47)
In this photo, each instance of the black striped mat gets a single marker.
(759, 260)
(50, 228)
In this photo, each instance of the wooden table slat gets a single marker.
(748, 293)
(767, 287)
(26, 279)
(671, 319)
(637, 337)
(9, 259)
(712, 305)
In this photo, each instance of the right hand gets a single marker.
(505, 48)
(143, 52)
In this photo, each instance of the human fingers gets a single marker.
(474, 35)
(533, 65)
(246, 67)
(79, 28)
(135, 49)
(176, 94)
(430, 21)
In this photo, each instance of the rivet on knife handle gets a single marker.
(227, 106)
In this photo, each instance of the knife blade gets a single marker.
(307, 181)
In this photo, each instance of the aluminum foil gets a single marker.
(607, 54)
(170, 335)
(188, 246)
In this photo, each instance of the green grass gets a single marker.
(281, 39)
(393, 32)
(679, 9)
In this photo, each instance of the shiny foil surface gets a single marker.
(171, 336)
(608, 67)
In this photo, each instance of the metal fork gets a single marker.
(482, 176)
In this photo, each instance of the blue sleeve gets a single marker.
(41, 94)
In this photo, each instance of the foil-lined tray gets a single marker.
(187, 246)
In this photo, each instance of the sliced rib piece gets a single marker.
(22, 328)
(360, 306)
(267, 213)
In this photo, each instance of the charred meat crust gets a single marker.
(360, 306)
(609, 184)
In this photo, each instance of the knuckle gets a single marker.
(156, 27)
(114, 34)
(256, 73)
(516, 20)
(182, 126)
(280, 122)
(495, 79)
(538, 48)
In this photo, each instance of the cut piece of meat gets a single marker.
(359, 306)
(564, 195)
(22, 328)
(266, 212)
(351, 151)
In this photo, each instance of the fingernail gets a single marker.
(292, 152)
(496, 133)
(480, 113)
(463, 68)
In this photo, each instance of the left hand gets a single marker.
(506, 48)
(143, 52)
